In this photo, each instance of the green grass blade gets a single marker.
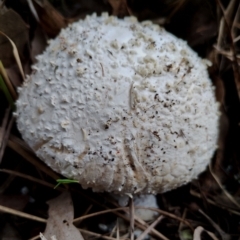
(64, 181)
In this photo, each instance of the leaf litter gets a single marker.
(60, 221)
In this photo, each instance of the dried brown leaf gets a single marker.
(119, 7)
(50, 19)
(15, 28)
(38, 43)
(15, 54)
(14, 76)
(59, 223)
(199, 230)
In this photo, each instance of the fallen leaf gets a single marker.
(59, 223)
(15, 28)
(38, 43)
(51, 20)
(119, 7)
(14, 75)
(199, 230)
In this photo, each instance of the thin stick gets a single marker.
(85, 213)
(76, 220)
(183, 217)
(6, 137)
(224, 235)
(7, 81)
(3, 130)
(168, 215)
(118, 235)
(236, 70)
(196, 194)
(34, 238)
(30, 178)
(87, 233)
(96, 234)
(142, 226)
(32, 159)
(15, 54)
(139, 223)
(131, 210)
(21, 214)
(4, 124)
(143, 235)
(228, 195)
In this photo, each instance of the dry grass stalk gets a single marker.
(198, 195)
(144, 234)
(226, 25)
(229, 196)
(16, 55)
(224, 236)
(32, 159)
(21, 214)
(97, 235)
(3, 130)
(7, 81)
(30, 178)
(167, 214)
(131, 211)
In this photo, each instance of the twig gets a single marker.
(232, 47)
(229, 196)
(139, 223)
(96, 234)
(16, 55)
(32, 159)
(224, 235)
(76, 220)
(196, 194)
(168, 215)
(143, 235)
(131, 210)
(21, 214)
(183, 217)
(7, 81)
(2, 132)
(5, 137)
(30, 178)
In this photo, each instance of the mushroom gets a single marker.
(122, 106)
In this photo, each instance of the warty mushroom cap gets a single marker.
(121, 106)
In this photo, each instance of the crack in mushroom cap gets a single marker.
(121, 106)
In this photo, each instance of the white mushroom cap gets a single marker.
(121, 106)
